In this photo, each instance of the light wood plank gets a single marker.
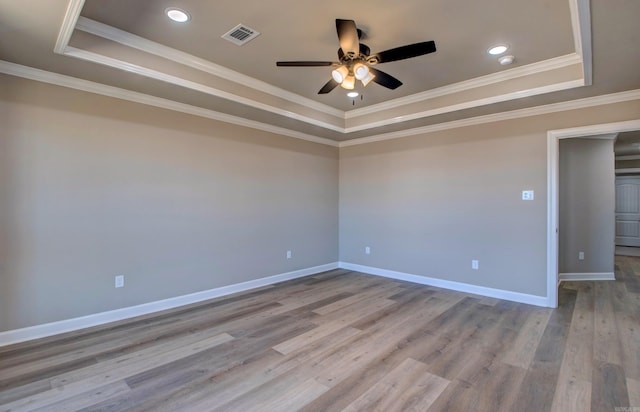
(346, 340)
(609, 387)
(408, 387)
(633, 388)
(126, 367)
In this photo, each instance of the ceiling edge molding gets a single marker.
(57, 79)
(581, 25)
(628, 157)
(529, 69)
(148, 46)
(516, 114)
(68, 25)
(470, 104)
(140, 43)
(179, 81)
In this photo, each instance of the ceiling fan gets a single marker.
(355, 61)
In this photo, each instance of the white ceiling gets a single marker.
(564, 50)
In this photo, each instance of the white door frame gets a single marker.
(553, 151)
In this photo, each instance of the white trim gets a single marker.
(470, 104)
(581, 26)
(68, 325)
(148, 46)
(628, 157)
(14, 69)
(157, 75)
(447, 284)
(572, 277)
(553, 149)
(502, 116)
(553, 159)
(118, 93)
(68, 25)
(580, 21)
(627, 171)
(521, 71)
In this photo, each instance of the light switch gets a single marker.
(527, 195)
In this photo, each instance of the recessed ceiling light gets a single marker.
(353, 94)
(178, 15)
(505, 60)
(497, 49)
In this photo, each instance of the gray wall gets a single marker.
(91, 187)
(430, 205)
(427, 205)
(587, 206)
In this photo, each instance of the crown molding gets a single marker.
(157, 49)
(148, 46)
(580, 20)
(179, 81)
(517, 114)
(628, 157)
(147, 72)
(581, 26)
(136, 97)
(68, 25)
(151, 47)
(31, 73)
(470, 104)
(487, 80)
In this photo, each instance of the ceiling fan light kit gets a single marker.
(348, 83)
(355, 61)
(360, 70)
(367, 79)
(340, 74)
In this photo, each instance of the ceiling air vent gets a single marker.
(240, 35)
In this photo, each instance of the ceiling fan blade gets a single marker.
(331, 84)
(348, 37)
(405, 52)
(385, 79)
(304, 64)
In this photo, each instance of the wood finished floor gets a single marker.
(347, 341)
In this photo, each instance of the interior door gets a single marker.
(628, 211)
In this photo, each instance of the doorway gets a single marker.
(553, 149)
(627, 152)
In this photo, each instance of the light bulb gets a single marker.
(367, 79)
(497, 49)
(348, 83)
(177, 15)
(340, 74)
(360, 70)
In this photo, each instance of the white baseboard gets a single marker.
(447, 284)
(565, 277)
(68, 325)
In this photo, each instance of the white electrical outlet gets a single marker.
(367, 250)
(120, 281)
(475, 265)
(580, 255)
(288, 254)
